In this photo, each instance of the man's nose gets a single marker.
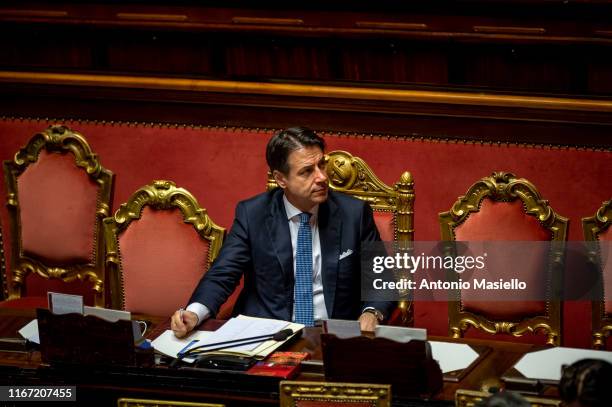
(321, 175)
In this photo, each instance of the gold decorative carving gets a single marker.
(3, 276)
(351, 175)
(160, 194)
(125, 402)
(473, 398)
(374, 395)
(57, 138)
(504, 186)
(592, 227)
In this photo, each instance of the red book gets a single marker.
(285, 365)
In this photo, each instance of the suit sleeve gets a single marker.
(235, 257)
(369, 233)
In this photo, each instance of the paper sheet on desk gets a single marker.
(30, 331)
(546, 364)
(452, 356)
(236, 328)
(170, 345)
(244, 327)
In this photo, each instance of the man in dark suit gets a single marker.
(297, 246)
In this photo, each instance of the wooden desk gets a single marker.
(107, 383)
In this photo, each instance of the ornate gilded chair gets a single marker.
(296, 394)
(125, 402)
(4, 293)
(393, 207)
(473, 398)
(158, 245)
(57, 195)
(597, 228)
(502, 207)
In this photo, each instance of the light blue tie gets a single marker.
(304, 310)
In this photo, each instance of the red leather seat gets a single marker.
(58, 194)
(503, 207)
(159, 244)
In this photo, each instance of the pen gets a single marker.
(181, 311)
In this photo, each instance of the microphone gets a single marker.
(281, 335)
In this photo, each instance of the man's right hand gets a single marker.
(183, 322)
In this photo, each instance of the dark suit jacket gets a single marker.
(259, 245)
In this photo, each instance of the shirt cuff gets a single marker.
(200, 310)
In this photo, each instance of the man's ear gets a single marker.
(280, 179)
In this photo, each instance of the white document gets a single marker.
(170, 345)
(110, 315)
(65, 303)
(452, 356)
(245, 327)
(30, 331)
(342, 328)
(401, 334)
(546, 364)
(236, 328)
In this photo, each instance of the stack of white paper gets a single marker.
(236, 328)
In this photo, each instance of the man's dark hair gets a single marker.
(285, 141)
(586, 381)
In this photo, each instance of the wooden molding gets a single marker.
(305, 90)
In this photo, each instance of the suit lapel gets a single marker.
(330, 232)
(278, 231)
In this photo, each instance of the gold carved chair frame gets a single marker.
(351, 175)
(3, 275)
(60, 139)
(343, 394)
(505, 187)
(159, 194)
(592, 227)
(473, 398)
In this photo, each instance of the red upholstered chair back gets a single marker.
(505, 208)
(159, 245)
(58, 194)
(597, 228)
(393, 207)
(326, 394)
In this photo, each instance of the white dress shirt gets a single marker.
(318, 301)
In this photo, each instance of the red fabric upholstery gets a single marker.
(37, 286)
(57, 209)
(385, 223)
(501, 221)
(25, 303)
(162, 259)
(606, 264)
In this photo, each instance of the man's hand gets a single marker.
(183, 322)
(368, 322)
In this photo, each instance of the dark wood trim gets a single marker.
(298, 90)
